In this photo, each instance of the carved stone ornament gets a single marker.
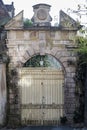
(42, 14)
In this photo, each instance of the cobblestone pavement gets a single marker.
(44, 128)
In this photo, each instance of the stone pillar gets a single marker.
(70, 94)
(13, 99)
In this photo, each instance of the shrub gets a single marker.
(63, 120)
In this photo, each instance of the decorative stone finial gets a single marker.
(41, 15)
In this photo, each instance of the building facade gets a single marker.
(4, 18)
(40, 93)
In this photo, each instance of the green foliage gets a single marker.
(82, 46)
(35, 61)
(27, 23)
(80, 78)
(82, 58)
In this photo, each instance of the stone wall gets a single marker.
(3, 94)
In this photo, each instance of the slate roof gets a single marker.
(4, 15)
(3, 9)
(9, 7)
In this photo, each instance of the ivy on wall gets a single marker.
(81, 79)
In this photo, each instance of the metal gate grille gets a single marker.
(42, 100)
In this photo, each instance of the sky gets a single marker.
(56, 6)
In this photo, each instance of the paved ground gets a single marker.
(45, 128)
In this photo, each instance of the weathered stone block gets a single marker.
(19, 35)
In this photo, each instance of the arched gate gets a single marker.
(42, 93)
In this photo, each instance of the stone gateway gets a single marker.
(42, 68)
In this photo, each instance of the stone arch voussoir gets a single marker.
(54, 52)
(27, 55)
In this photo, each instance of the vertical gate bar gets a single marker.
(48, 99)
(58, 91)
(34, 90)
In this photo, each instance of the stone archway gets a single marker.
(69, 72)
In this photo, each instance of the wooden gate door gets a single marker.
(41, 92)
